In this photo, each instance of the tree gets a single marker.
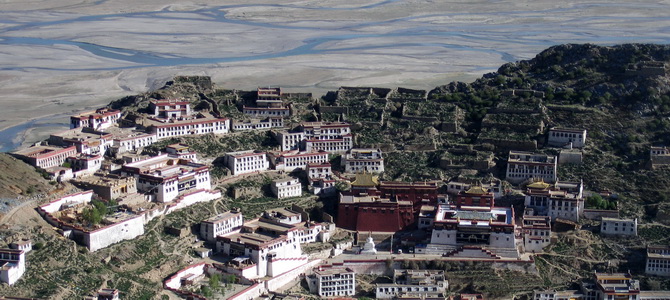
(215, 281)
(92, 215)
(595, 201)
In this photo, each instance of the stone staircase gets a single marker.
(469, 251)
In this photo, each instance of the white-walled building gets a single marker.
(332, 282)
(45, 156)
(337, 145)
(243, 162)
(290, 161)
(221, 225)
(170, 108)
(99, 119)
(86, 139)
(567, 137)
(616, 226)
(414, 284)
(85, 162)
(290, 140)
(562, 200)
(268, 104)
(536, 233)
(333, 137)
(522, 166)
(25, 245)
(113, 228)
(258, 124)
(189, 126)
(132, 141)
(165, 177)
(475, 226)
(286, 188)
(658, 260)
(321, 180)
(359, 160)
(261, 254)
(12, 265)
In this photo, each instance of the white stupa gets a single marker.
(369, 247)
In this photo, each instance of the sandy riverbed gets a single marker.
(62, 56)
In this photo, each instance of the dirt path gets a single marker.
(8, 216)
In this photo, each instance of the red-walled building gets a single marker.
(475, 196)
(418, 193)
(392, 207)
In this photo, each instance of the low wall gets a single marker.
(108, 235)
(280, 281)
(250, 293)
(78, 198)
(174, 281)
(334, 109)
(597, 214)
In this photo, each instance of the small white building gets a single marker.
(286, 188)
(332, 282)
(615, 226)
(221, 225)
(536, 233)
(170, 108)
(85, 162)
(658, 260)
(359, 160)
(132, 141)
(522, 166)
(100, 118)
(321, 180)
(12, 265)
(244, 162)
(567, 137)
(290, 161)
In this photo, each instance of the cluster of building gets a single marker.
(143, 191)
(265, 246)
(604, 286)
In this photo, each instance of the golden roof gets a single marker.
(477, 190)
(365, 179)
(539, 185)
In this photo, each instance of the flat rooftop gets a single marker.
(332, 271)
(163, 166)
(39, 150)
(81, 134)
(253, 239)
(223, 216)
(203, 118)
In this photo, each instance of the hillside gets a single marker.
(19, 182)
(617, 93)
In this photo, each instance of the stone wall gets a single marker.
(597, 214)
